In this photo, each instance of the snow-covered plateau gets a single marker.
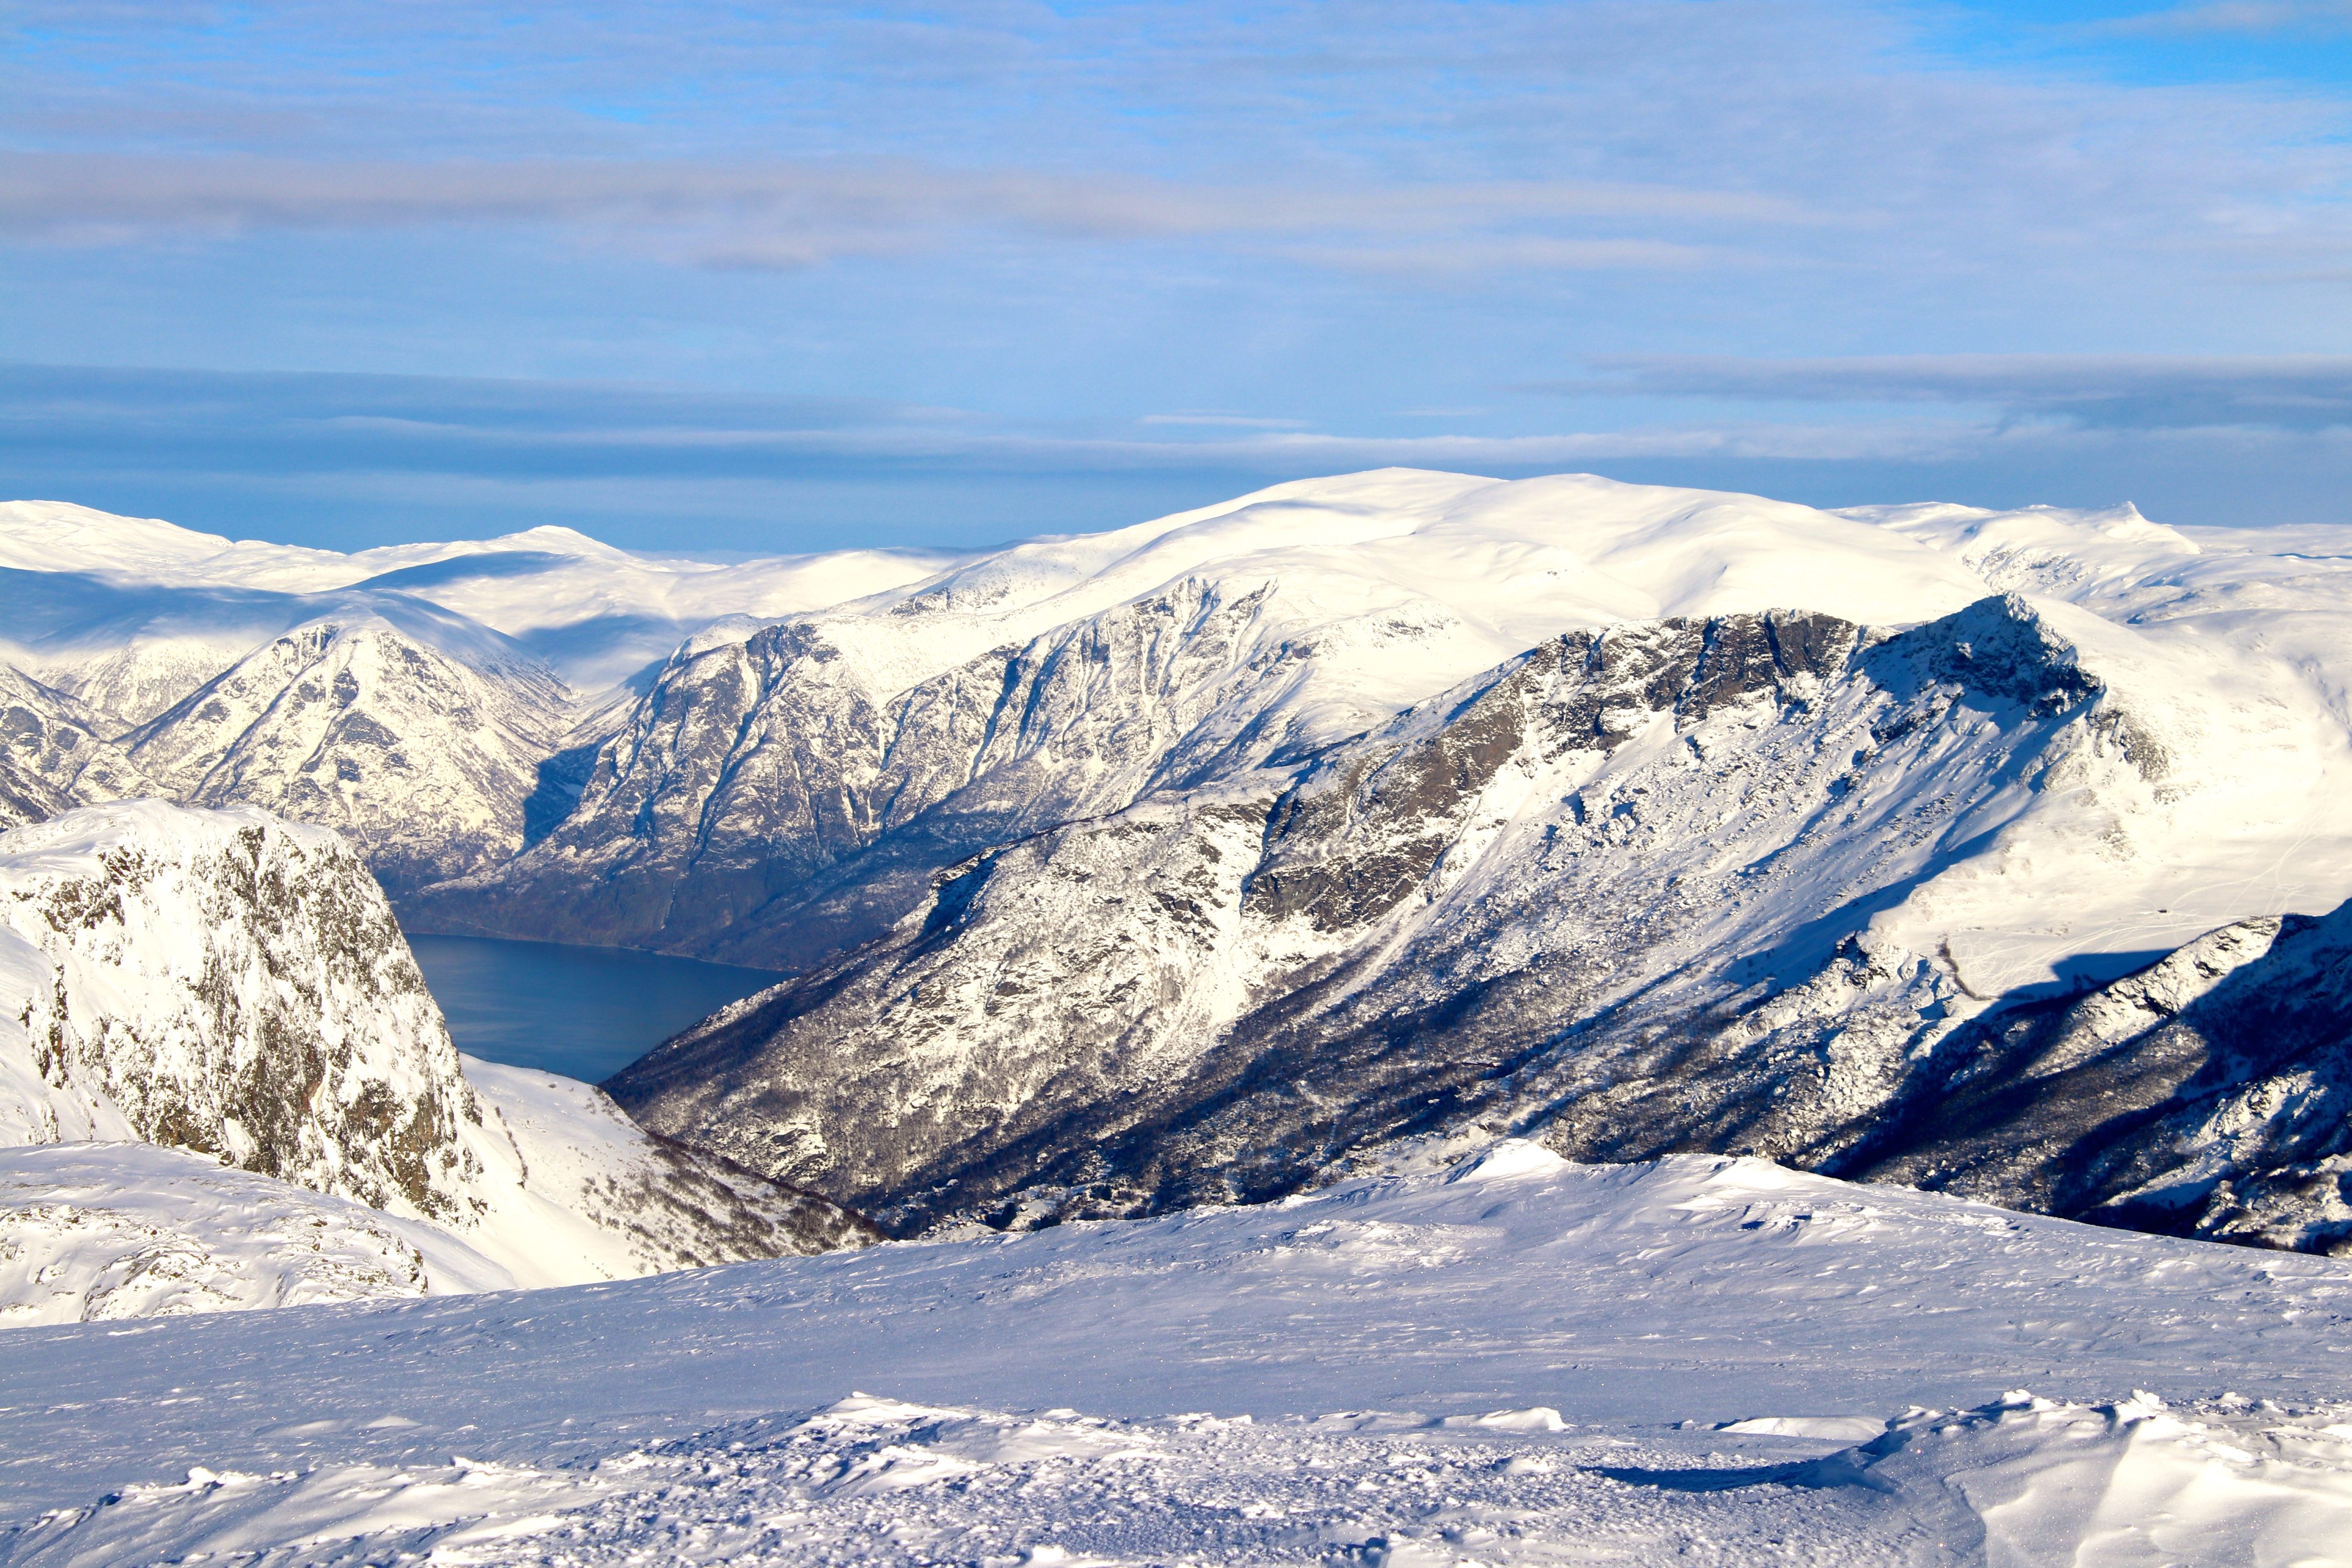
(1512, 1360)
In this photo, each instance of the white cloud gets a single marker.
(2289, 391)
(788, 215)
(2256, 16)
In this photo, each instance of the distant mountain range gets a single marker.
(1218, 855)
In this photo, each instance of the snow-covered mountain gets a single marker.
(1205, 856)
(410, 697)
(771, 800)
(87, 584)
(424, 761)
(1732, 883)
(1508, 1361)
(235, 985)
(54, 754)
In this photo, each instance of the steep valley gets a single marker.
(1223, 855)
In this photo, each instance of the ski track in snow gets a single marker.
(1513, 1361)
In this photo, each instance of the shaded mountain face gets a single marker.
(53, 753)
(236, 985)
(2209, 1095)
(1638, 891)
(422, 761)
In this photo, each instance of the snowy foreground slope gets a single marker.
(230, 985)
(1514, 1361)
(104, 1232)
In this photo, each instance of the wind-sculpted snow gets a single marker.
(866, 1479)
(422, 761)
(235, 985)
(1681, 885)
(107, 1232)
(1510, 1360)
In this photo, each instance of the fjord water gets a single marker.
(584, 1012)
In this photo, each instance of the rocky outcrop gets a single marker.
(1638, 891)
(231, 984)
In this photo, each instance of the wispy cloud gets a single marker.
(2254, 16)
(1477, 254)
(351, 459)
(2150, 392)
(327, 424)
(793, 214)
(1230, 421)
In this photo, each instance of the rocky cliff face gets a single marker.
(422, 761)
(763, 804)
(230, 983)
(1639, 891)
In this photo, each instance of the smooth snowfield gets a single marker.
(1515, 1359)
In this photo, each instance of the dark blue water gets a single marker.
(584, 1012)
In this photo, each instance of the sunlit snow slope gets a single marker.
(1511, 1361)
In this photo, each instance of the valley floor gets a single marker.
(1511, 1359)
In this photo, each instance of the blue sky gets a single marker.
(749, 277)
